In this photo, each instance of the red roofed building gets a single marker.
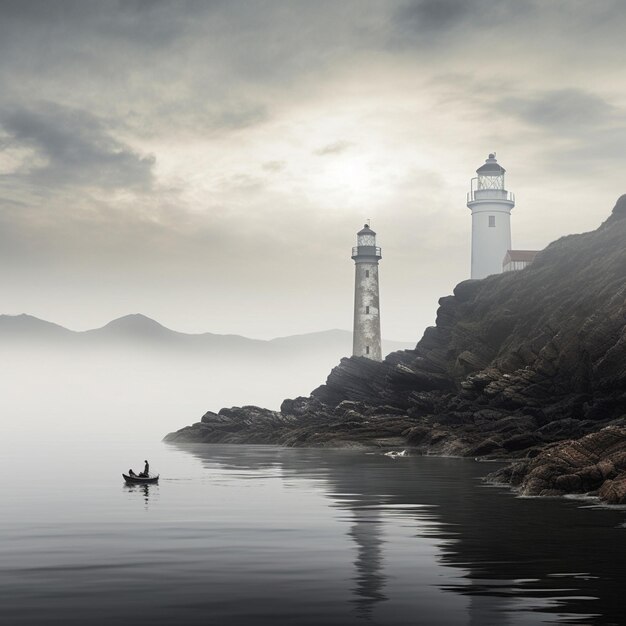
(518, 259)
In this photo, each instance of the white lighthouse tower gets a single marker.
(366, 337)
(491, 206)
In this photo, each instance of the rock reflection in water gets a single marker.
(510, 551)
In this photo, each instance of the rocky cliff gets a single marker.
(516, 362)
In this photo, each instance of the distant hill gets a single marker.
(139, 331)
(135, 378)
(20, 327)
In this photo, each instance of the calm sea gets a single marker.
(267, 536)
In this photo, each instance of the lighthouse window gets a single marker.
(367, 349)
(492, 221)
(367, 310)
(367, 273)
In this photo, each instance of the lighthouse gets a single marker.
(366, 255)
(491, 206)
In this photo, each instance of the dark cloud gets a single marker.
(420, 20)
(337, 147)
(563, 108)
(73, 147)
(595, 151)
(431, 15)
(194, 65)
(155, 22)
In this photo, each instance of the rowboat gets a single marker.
(141, 480)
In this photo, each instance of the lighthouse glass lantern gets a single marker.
(491, 174)
(366, 237)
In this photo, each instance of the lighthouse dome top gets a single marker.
(366, 230)
(491, 167)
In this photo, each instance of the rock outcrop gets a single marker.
(594, 464)
(516, 363)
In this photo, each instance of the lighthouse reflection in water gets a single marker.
(264, 535)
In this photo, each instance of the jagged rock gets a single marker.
(594, 462)
(516, 364)
(348, 407)
(384, 410)
(519, 442)
(614, 491)
(300, 406)
(488, 446)
(416, 435)
(209, 416)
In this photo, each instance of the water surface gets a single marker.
(264, 535)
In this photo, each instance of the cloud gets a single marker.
(561, 108)
(274, 166)
(278, 126)
(337, 147)
(73, 147)
(239, 115)
(417, 21)
(144, 22)
(437, 15)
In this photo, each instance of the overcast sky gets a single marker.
(209, 163)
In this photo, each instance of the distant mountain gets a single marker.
(135, 378)
(134, 325)
(28, 327)
(137, 330)
(330, 338)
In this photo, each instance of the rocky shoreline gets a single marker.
(593, 465)
(528, 366)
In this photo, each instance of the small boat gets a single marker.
(141, 480)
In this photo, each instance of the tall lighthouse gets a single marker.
(491, 206)
(366, 337)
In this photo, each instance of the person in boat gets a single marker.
(146, 470)
(131, 473)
